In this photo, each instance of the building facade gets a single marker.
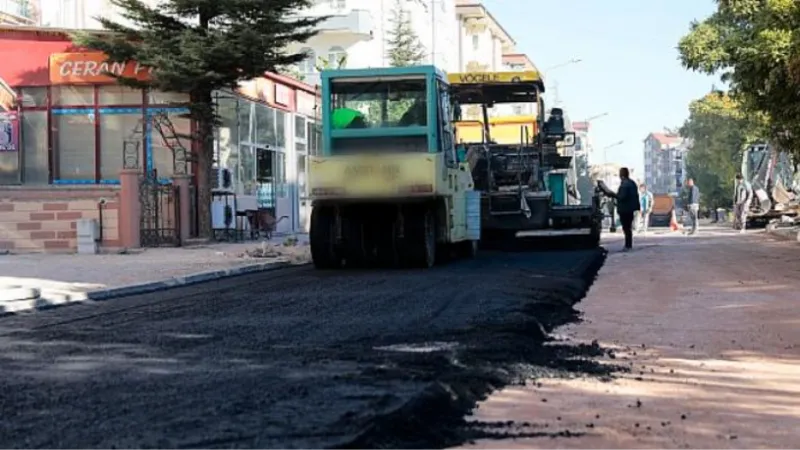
(664, 163)
(357, 33)
(20, 12)
(68, 125)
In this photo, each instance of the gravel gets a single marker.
(293, 359)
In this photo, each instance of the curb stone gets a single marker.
(195, 278)
(18, 293)
(786, 234)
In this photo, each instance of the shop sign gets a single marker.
(9, 132)
(92, 67)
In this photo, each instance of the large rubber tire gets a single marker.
(421, 239)
(323, 239)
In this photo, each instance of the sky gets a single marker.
(629, 64)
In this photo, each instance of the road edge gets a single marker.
(182, 281)
(23, 300)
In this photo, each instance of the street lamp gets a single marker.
(605, 150)
(556, 100)
(595, 117)
(565, 63)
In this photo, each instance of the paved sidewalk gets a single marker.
(709, 327)
(69, 278)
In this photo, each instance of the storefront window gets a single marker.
(228, 133)
(300, 127)
(301, 175)
(167, 98)
(9, 143)
(163, 154)
(73, 95)
(247, 171)
(75, 143)
(245, 109)
(265, 126)
(119, 95)
(280, 125)
(114, 130)
(280, 174)
(34, 146)
(33, 97)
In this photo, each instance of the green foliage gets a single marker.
(719, 131)
(328, 63)
(755, 45)
(405, 48)
(199, 46)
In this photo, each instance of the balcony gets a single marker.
(15, 12)
(358, 22)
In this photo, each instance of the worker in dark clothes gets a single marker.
(627, 197)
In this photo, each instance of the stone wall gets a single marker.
(44, 219)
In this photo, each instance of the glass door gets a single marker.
(266, 194)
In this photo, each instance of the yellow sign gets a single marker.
(494, 77)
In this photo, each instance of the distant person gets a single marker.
(742, 197)
(646, 207)
(692, 203)
(627, 199)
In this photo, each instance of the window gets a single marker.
(34, 144)
(10, 156)
(265, 126)
(163, 155)
(33, 97)
(247, 171)
(245, 130)
(280, 125)
(308, 65)
(475, 42)
(397, 103)
(300, 127)
(337, 58)
(119, 95)
(167, 98)
(228, 135)
(338, 4)
(114, 130)
(75, 143)
(73, 95)
(301, 175)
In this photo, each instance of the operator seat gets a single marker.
(555, 123)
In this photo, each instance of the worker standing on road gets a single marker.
(646, 207)
(692, 205)
(742, 197)
(627, 204)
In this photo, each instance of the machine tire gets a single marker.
(322, 236)
(421, 238)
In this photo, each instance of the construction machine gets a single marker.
(387, 187)
(528, 186)
(772, 175)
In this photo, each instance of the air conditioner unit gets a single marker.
(223, 180)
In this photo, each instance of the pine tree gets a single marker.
(405, 48)
(199, 46)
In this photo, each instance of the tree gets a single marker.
(719, 131)
(405, 48)
(330, 63)
(197, 47)
(755, 45)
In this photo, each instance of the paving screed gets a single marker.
(296, 358)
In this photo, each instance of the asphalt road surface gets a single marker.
(292, 359)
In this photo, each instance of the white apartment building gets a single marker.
(19, 12)
(664, 163)
(359, 30)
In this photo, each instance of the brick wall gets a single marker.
(44, 219)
